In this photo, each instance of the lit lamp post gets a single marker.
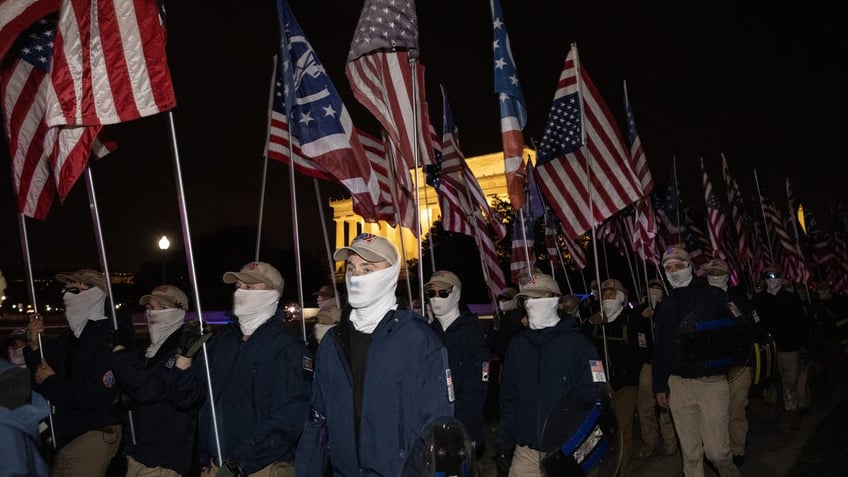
(164, 243)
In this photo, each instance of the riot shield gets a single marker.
(443, 449)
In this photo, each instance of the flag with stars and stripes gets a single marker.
(319, 121)
(585, 180)
(716, 221)
(512, 109)
(645, 223)
(738, 212)
(45, 160)
(17, 15)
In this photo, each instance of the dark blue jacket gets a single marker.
(697, 297)
(782, 315)
(540, 367)
(405, 387)
(84, 388)
(164, 432)
(261, 389)
(20, 442)
(622, 343)
(468, 357)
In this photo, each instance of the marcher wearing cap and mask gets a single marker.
(781, 314)
(616, 324)
(468, 355)
(541, 365)
(328, 314)
(381, 374)
(654, 421)
(693, 386)
(739, 376)
(76, 378)
(261, 375)
(164, 432)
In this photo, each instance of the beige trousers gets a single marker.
(739, 382)
(137, 469)
(526, 462)
(789, 364)
(88, 454)
(700, 408)
(624, 407)
(276, 469)
(646, 406)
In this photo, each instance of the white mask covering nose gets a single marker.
(371, 296)
(655, 295)
(613, 307)
(719, 281)
(254, 307)
(446, 310)
(680, 278)
(161, 324)
(542, 312)
(83, 306)
(16, 356)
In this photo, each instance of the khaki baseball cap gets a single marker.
(613, 284)
(86, 275)
(717, 265)
(537, 286)
(257, 272)
(325, 291)
(370, 247)
(168, 296)
(445, 279)
(675, 253)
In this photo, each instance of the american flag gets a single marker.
(640, 161)
(572, 172)
(17, 15)
(110, 64)
(645, 223)
(737, 212)
(535, 206)
(820, 245)
(512, 109)
(523, 254)
(575, 250)
(45, 160)
(380, 73)
(320, 122)
(715, 215)
(784, 249)
(551, 239)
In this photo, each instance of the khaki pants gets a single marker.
(137, 469)
(739, 382)
(276, 469)
(646, 406)
(700, 408)
(789, 364)
(526, 462)
(624, 407)
(88, 454)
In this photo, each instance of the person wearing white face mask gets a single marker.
(468, 355)
(164, 432)
(541, 365)
(614, 330)
(88, 432)
(381, 374)
(260, 374)
(690, 378)
(782, 315)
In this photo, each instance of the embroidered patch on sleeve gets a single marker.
(597, 369)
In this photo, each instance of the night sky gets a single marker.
(763, 85)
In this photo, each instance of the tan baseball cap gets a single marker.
(537, 286)
(168, 296)
(370, 247)
(676, 253)
(717, 265)
(613, 284)
(257, 272)
(325, 291)
(86, 275)
(445, 279)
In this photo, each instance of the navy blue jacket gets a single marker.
(261, 389)
(84, 388)
(164, 432)
(667, 317)
(468, 357)
(622, 336)
(405, 387)
(783, 316)
(540, 367)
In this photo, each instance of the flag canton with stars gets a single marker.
(506, 74)
(564, 130)
(433, 172)
(632, 134)
(304, 86)
(385, 24)
(713, 202)
(35, 45)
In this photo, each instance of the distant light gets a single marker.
(164, 243)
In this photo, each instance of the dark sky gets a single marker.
(764, 85)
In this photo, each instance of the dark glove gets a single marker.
(191, 338)
(503, 460)
(121, 337)
(231, 468)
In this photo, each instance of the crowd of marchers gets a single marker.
(377, 385)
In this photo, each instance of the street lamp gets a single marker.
(164, 243)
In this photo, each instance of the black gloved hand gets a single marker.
(191, 339)
(503, 460)
(121, 337)
(231, 468)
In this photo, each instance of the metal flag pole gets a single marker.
(330, 260)
(31, 292)
(524, 237)
(296, 235)
(765, 220)
(104, 266)
(265, 165)
(192, 275)
(416, 152)
(390, 148)
(430, 225)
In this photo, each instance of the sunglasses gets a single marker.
(771, 275)
(74, 290)
(441, 293)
